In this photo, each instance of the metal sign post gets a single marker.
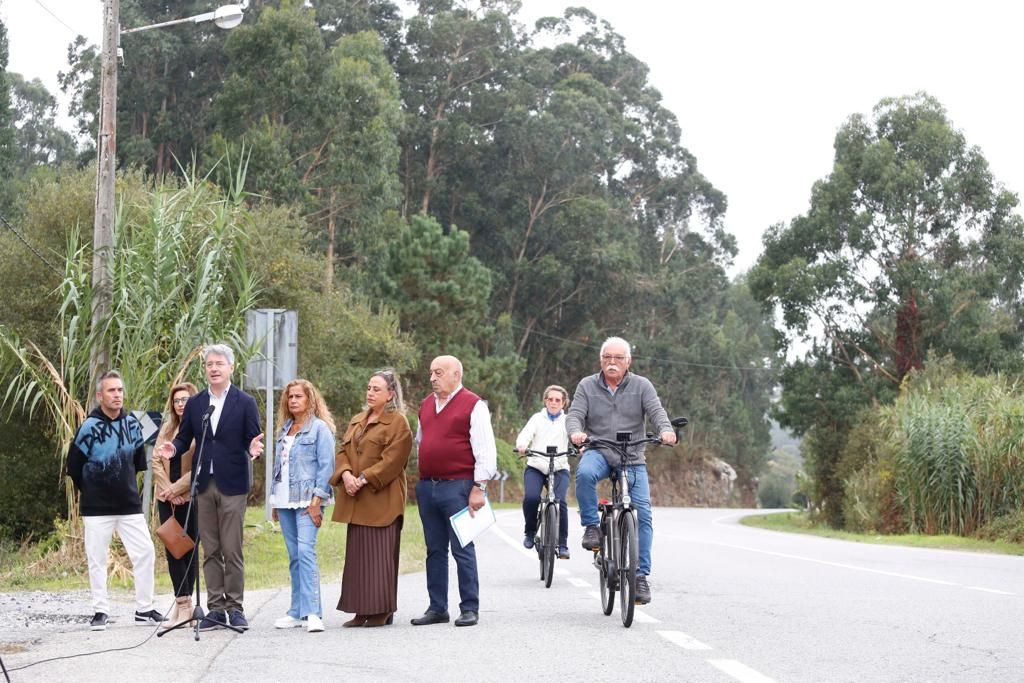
(150, 422)
(268, 436)
(275, 331)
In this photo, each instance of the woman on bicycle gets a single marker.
(546, 428)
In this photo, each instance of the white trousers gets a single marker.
(134, 534)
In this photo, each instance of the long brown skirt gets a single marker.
(369, 581)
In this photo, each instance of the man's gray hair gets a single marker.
(618, 341)
(219, 350)
(109, 374)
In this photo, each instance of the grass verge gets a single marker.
(801, 523)
(53, 566)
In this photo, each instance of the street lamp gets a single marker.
(226, 17)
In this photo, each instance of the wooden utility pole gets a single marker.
(103, 224)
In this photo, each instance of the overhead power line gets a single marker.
(51, 13)
(669, 361)
(24, 241)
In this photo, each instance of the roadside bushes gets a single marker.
(32, 497)
(946, 458)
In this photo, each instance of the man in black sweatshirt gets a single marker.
(104, 458)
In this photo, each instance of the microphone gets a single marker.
(208, 413)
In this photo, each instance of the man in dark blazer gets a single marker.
(229, 420)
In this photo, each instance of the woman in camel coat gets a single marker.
(370, 474)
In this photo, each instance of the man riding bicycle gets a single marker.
(616, 400)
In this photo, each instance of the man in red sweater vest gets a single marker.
(457, 457)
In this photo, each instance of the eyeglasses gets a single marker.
(617, 358)
(180, 401)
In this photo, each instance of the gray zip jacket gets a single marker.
(599, 413)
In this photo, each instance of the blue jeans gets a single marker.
(592, 469)
(437, 502)
(300, 539)
(533, 482)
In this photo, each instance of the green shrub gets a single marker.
(32, 497)
(777, 485)
(1008, 527)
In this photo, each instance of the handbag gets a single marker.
(174, 538)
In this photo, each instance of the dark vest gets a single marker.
(444, 450)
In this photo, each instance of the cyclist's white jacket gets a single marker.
(540, 432)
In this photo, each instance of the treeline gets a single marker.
(443, 180)
(908, 270)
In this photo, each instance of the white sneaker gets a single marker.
(314, 624)
(288, 621)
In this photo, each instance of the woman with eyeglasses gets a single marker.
(543, 429)
(300, 490)
(370, 470)
(171, 483)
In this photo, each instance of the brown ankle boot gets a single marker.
(357, 620)
(383, 619)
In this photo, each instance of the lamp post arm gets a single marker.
(195, 20)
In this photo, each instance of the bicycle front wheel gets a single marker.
(628, 560)
(549, 540)
(606, 567)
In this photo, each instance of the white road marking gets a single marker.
(644, 617)
(731, 515)
(989, 590)
(594, 594)
(682, 640)
(739, 671)
(518, 545)
(579, 583)
(562, 572)
(815, 560)
(719, 521)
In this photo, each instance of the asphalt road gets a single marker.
(730, 603)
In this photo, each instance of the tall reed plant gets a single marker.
(180, 280)
(935, 479)
(959, 450)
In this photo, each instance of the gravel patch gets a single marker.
(27, 616)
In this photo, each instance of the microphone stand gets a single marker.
(193, 505)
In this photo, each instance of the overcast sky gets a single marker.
(759, 88)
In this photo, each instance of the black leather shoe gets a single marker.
(468, 618)
(431, 617)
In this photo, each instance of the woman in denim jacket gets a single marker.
(305, 460)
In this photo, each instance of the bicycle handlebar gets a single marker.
(594, 442)
(621, 446)
(572, 453)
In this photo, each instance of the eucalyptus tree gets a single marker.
(337, 18)
(455, 68)
(588, 200)
(39, 141)
(7, 144)
(320, 127)
(909, 245)
(166, 82)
